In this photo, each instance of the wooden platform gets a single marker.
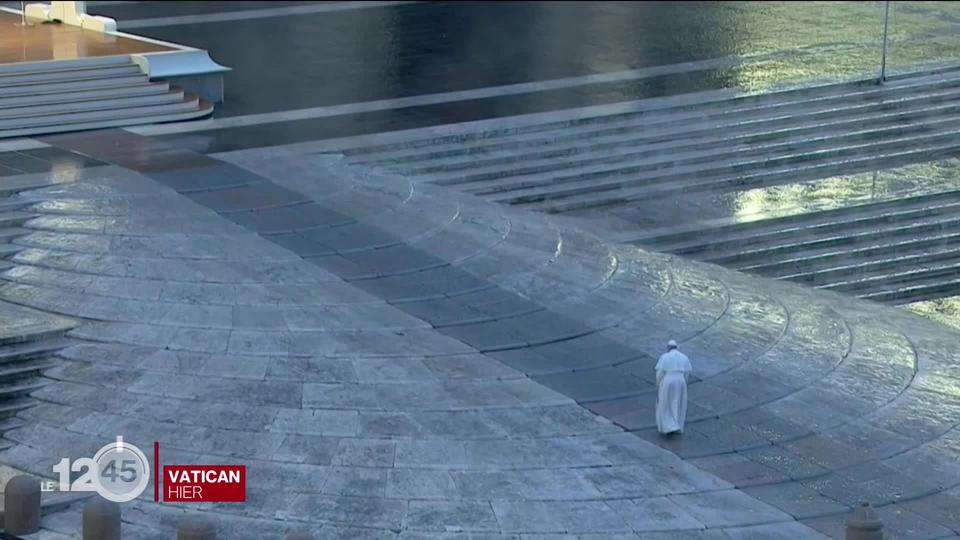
(61, 42)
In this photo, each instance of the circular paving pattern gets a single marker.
(393, 359)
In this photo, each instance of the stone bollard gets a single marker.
(864, 524)
(21, 502)
(299, 535)
(101, 519)
(196, 528)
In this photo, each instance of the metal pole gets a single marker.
(23, 15)
(883, 57)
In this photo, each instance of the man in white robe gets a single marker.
(673, 368)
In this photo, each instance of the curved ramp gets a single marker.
(394, 360)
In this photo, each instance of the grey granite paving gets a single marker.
(401, 361)
(19, 323)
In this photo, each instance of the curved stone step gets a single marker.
(172, 96)
(797, 267)
(917, 291)
(906, 276)
(762, 239)
(675, 238)
(25, 368)
(721, 102)
(10, 407)
(30, 350)
(21, 325)
(881, 359)
(8, 234)
(202, 110)
(17, 389)
(64, 87)
(14, 219)
(617, 196)
(815, 246)
(672, 135)
(881, 264)
(716, 152)
(566, 143)
(602, 179)
(12, 185)
(8, 204)
(7, 250)
(6, 424)
(73, 64)
(92, 95)
(675, 143)
(43, 118)
(62, 76)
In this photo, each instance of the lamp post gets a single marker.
(23, 14)
(883, 56)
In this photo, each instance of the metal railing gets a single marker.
(883, 47)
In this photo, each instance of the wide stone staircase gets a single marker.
(697, 154)
(28, 338)
(705, 143)
(53, 97)
(898, 251)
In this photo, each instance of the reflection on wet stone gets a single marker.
(404, 360)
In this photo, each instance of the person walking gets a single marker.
(673, 368)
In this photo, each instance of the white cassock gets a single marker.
(672, 371)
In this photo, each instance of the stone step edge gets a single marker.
(622, 143)
(731, 256)
(724, 95)
(117, 63)
(90, 94)
(910, 294)
(115, 102)
(505, 180)
(863, 268)
(72, 86)
(724, 224)
(48, 118)
(624, 195)
(700, 244)
(205, 110)
(344, 144)
(610, 181)
(864, 253)
(66, 76)
(680, 124)
(908, 275)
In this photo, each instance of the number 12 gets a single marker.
(87, 480)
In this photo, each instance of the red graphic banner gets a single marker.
(204, 483)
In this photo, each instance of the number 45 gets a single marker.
(89, 480)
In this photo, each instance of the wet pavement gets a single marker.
(835, 192)
(412, 362)
(423, 48)
(296, 131)
(416, 363)
(411, 49)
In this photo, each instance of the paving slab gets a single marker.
(489, 374)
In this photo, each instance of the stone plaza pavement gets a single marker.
(397, 360)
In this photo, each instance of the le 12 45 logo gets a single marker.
(120, 472)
